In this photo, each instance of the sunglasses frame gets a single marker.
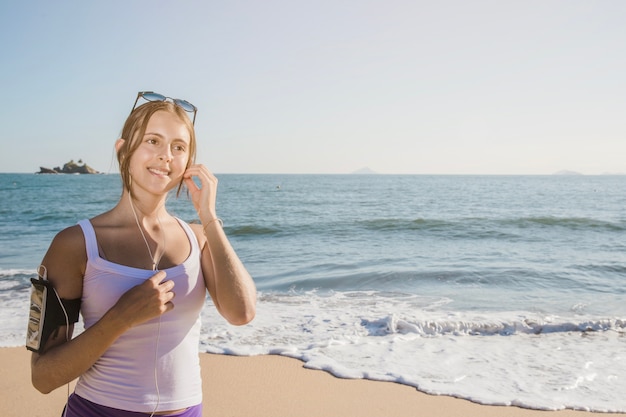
(152, 96)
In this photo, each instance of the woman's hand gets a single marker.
(145, 301)
(203, 197)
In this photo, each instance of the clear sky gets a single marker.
(324, 86)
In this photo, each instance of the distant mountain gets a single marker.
(365, 171)
(566, 172)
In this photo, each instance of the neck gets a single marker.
(150, 209)
(155, 256)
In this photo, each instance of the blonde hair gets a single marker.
(135, 128)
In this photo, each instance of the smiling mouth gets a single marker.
(159, 172)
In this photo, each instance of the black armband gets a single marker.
(47, 312)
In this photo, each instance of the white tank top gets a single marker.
(126, 376)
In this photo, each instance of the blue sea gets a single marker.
(503, 290)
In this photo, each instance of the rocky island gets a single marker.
(70, 168)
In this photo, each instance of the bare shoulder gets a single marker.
(69, 241)
(66, 260)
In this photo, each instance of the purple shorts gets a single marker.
(80, 407)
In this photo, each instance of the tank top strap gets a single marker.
(193, 240)
(91, 242)
(90, 239)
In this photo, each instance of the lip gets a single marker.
(159, 172)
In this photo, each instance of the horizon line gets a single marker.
(564, 173)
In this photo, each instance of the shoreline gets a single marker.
(271, 385)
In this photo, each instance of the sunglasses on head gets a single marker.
(152, 96)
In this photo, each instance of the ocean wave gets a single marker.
(394, 325)
(604, 268)
(493, 226)
(518, 357)
(382, 276)
(572, 223)
(15, 280)
(253, 230)
(511, 229)
(16, 273)
(55, 220)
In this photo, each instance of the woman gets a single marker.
(142, 277)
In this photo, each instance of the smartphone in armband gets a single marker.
(47, 313)
(37, 314)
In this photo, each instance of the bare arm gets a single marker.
(61, 361)
(230, 285)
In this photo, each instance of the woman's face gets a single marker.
(161, 158)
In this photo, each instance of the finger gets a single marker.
(190, 183)
(167, 297)
(201, 172)
(167, 286)
(196, 170)
(158, 277)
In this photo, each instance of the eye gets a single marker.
(152, 141)
(178, 148)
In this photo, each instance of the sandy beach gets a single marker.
(265, 386)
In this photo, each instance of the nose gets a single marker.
(166, 155)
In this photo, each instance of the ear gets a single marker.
(118, 144)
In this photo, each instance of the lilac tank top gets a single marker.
(161, 353)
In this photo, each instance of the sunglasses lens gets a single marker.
(184, 104)
(153, 97)
(187, 106)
